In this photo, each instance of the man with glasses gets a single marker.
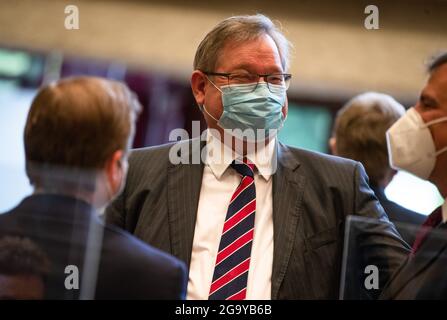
(255, 219)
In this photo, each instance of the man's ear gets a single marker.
(114, 167)
(333, 145)
(198, 83)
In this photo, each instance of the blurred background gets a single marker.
(151, 45)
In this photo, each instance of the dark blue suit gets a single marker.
(122, 266)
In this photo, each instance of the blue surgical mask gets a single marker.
(258, 109)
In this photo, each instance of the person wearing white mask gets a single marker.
(417, 143)
(77, 136)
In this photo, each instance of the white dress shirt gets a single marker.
(219, 182)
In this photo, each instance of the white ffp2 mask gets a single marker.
(410, 145)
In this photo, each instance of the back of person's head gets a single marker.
(80, 125)
(360, 132)
(23, 269)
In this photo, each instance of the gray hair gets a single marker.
(239, 29)
(360, 131)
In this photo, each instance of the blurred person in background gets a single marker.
(417, 143)
(77, 136)
(250, 229)
(360, 134)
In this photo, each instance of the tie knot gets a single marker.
(244, 168)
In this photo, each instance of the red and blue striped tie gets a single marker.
(233, 258)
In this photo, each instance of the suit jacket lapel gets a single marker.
(183, 190)
(427, 253)
(288, 186)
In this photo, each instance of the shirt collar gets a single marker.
(219, 157)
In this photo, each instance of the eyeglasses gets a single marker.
(251, 80)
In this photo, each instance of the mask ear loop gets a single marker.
(436, 121)
(213, 83)
(430, 123)
(203, 108)
(442, 150)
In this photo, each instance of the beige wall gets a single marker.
(334, 54)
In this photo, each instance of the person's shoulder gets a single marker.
(130, 249)
(322, 170)
(398, 213)
(315, 158)
(6, 215)
(8, 219)
(150, 152)
(11, 218)
(162, 155)
(132, 269)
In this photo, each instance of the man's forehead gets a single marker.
(437, 84)
(439, 76)
(262, 47)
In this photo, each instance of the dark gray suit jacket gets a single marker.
(312, 195)
(402, 217)
(422, 276)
